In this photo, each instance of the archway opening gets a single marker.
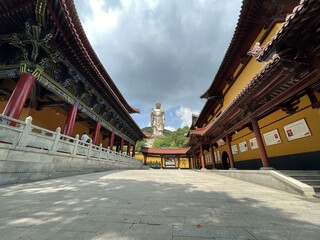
(225, 160)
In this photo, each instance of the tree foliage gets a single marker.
(139, 144)
(174, 139)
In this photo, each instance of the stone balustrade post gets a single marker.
(76, 145)
(89, 148)
(100, 151)
(24, 135)
(108, 152)
(56, 139)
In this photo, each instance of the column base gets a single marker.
(203, 169)
(233, 169)
(267, 168)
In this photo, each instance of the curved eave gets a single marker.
(246, 93)
(239, 44)
(253, 16)
(66, 19)
(70, 39)
(306, 9)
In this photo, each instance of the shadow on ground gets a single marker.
(153, 205)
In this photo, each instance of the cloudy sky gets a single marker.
(166, 50)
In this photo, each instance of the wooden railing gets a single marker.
(24, 134)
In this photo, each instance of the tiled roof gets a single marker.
(148, 135)
(200, 131)
(70, 39)
(253, 17)
(244, 94)
(299, 14)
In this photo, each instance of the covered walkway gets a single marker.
(153, 204)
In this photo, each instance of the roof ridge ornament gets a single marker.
(256, 50)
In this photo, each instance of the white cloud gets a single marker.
(160, 50)
(170, 128)
(102, 21)
(185, 115)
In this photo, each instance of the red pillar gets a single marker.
(213, 159)
(133, 150)
(202, 157)
(230, 152)
(128, 149)
(262, 149)
(121, 145)
(96, 133)
(71, 119)
(19, 96)
(111, 140)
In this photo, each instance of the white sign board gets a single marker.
(243, 146)
(297, 129)
(234, 149)
(272, 137)
(220, 142)
(253, 143)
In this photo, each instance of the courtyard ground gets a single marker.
(154, 204)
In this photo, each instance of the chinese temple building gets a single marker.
(165, 157)
(49, 70)
(262, 108)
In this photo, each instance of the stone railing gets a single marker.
(24, 134)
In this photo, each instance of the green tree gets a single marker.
(175, 139)
(139, 144)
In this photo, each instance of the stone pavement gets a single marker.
(154, 204)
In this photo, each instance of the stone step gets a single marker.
(311, 181)
(302, 178)
(316, 188)
(311, 178)
(301, 173)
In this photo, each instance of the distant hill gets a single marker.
(149, 130)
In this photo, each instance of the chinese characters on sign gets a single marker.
(297, 129)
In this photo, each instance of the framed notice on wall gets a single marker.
(234, 149)
(243, 146)
(253, 143)
(272, 137)
(297, 129)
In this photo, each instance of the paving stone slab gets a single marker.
(153, 204)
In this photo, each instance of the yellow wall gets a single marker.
(51, 119)
(184, 162)
(250, 71)
(278, 120)
(242, 81)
